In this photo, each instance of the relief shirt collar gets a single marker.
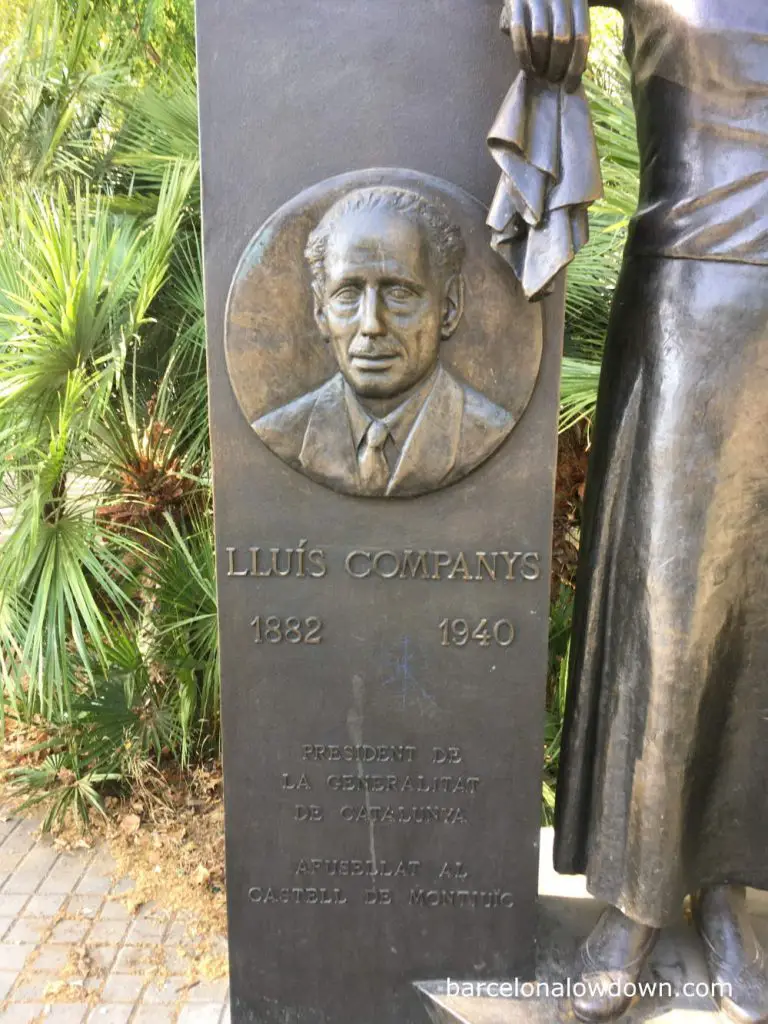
(399, 422)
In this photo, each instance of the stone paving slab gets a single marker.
(71, 953)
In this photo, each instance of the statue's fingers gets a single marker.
(518, 30)
(578, 62)
(561, 48)
(541, 35)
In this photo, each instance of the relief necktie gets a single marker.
(374, 469)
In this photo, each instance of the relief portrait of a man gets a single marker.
(387, 289)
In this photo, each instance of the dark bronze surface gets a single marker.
(735, 958)
(382, 659)
(665, 759)
(663, 780)
(344, 304)
(611, 961)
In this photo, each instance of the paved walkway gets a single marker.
(71, 952)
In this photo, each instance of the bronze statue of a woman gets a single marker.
(663, 788)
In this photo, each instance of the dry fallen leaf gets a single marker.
(202, 875)
(130, 824)
(132, 904)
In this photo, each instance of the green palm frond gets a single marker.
(578, 390)
(615, 131)
(73, 583)
(160, 130)
(187, 356)
(185, 627)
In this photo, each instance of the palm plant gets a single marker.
(106, 632)
(103, 739)
(59, 85)
(77, 284)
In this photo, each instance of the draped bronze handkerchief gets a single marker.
(543, 141)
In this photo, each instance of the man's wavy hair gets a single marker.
(445, 241)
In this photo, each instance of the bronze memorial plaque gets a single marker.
(383, 416)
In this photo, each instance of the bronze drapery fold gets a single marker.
(544, 144)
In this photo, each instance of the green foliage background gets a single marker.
(107, 595)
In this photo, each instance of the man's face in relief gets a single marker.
(383, 308)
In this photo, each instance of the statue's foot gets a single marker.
(735, 958)
(611, 961)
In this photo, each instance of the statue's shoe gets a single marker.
(735, 959)
(611, 960)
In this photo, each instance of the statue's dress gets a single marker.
(664, 773)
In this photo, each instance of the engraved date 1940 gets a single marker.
(460, 632)
(272, 629)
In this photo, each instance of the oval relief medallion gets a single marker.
(374, 341)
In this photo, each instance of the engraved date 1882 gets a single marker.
(459, 632)
(272, 629)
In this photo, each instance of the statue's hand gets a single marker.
(550, 37)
